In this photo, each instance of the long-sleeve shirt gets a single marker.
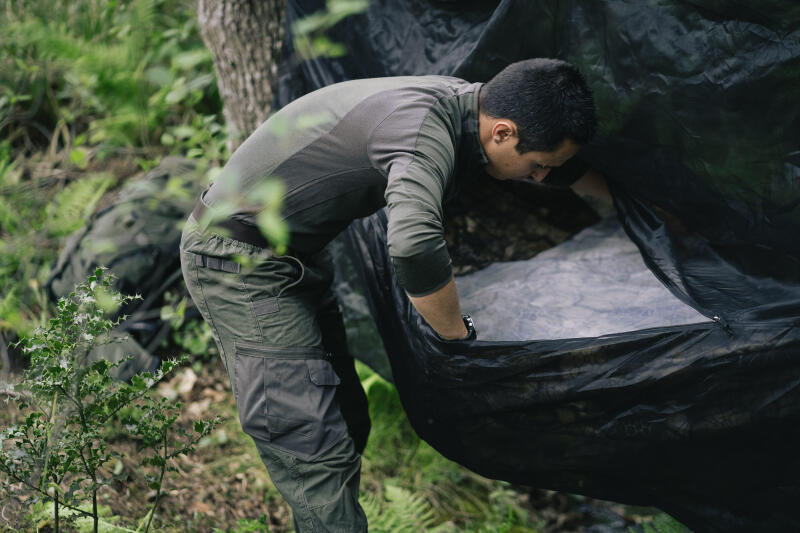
(347, 150)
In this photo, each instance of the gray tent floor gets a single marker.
(591, 285)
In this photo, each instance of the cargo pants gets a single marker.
(281, 338)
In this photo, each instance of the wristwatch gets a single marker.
(471, 333)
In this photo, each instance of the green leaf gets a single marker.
(176, 95)
(159, 76)
(138, 383)
(101, 367)
(183, 132)
(78, 157)
(189, 60)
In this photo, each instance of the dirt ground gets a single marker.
(510, 221)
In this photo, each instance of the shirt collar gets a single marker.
(470, 113)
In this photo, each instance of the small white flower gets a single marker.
(88, 299)
(88, 337)
(29, 349)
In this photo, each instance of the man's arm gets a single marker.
(593, 189)
(442, 311)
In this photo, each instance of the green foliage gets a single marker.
(25, 249)
(42, 513)
(663, 523)
(250, 525)
(309, 32)
(75, 203)
(72, 402)
(426, 488)
(194, 335)
(398, 511)
(122, 72)
(83, 78)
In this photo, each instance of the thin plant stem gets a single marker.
(89, 470)
(33, 487)
(160, 484)
(47, 440)
(55, 510)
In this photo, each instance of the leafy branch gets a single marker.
(59, 452)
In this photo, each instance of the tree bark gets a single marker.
(245, 38)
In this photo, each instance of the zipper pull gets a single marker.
(723, 324)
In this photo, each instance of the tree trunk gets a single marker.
(245, 38)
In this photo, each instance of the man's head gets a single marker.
(534, 115)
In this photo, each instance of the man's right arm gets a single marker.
(442, 311)
(593, 189)
(415, 236)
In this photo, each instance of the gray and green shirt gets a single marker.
(347, 150)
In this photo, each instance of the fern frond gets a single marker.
(74, 204)
(416, 512)
(398, 511)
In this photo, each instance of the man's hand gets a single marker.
(442, 311)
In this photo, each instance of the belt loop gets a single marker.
(216, 263)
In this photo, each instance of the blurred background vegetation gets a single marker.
(92, 92)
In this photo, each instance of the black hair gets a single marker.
(548, 100)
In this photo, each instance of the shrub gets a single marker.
(72, 405)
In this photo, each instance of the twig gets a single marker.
(47, 445)
(160, 484)
(6, 389)
(5, 359)
(45, 494)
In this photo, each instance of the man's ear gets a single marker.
(503, 130)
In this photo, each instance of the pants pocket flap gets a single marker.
(322, 373)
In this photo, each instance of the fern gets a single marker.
(400, 512)
(75, 203)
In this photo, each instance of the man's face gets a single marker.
(505, 163)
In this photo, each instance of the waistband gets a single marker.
(238, 230)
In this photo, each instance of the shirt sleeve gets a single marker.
(417, 181)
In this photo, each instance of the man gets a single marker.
(342, 153)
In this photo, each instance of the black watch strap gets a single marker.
(471, 333)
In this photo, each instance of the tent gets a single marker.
(693, 409)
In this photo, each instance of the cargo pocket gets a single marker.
(286, 396)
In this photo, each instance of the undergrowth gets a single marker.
(83, 84)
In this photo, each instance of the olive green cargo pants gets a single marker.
(281, 338)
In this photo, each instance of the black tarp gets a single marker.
(699, 114)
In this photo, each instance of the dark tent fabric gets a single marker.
(699, 117)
